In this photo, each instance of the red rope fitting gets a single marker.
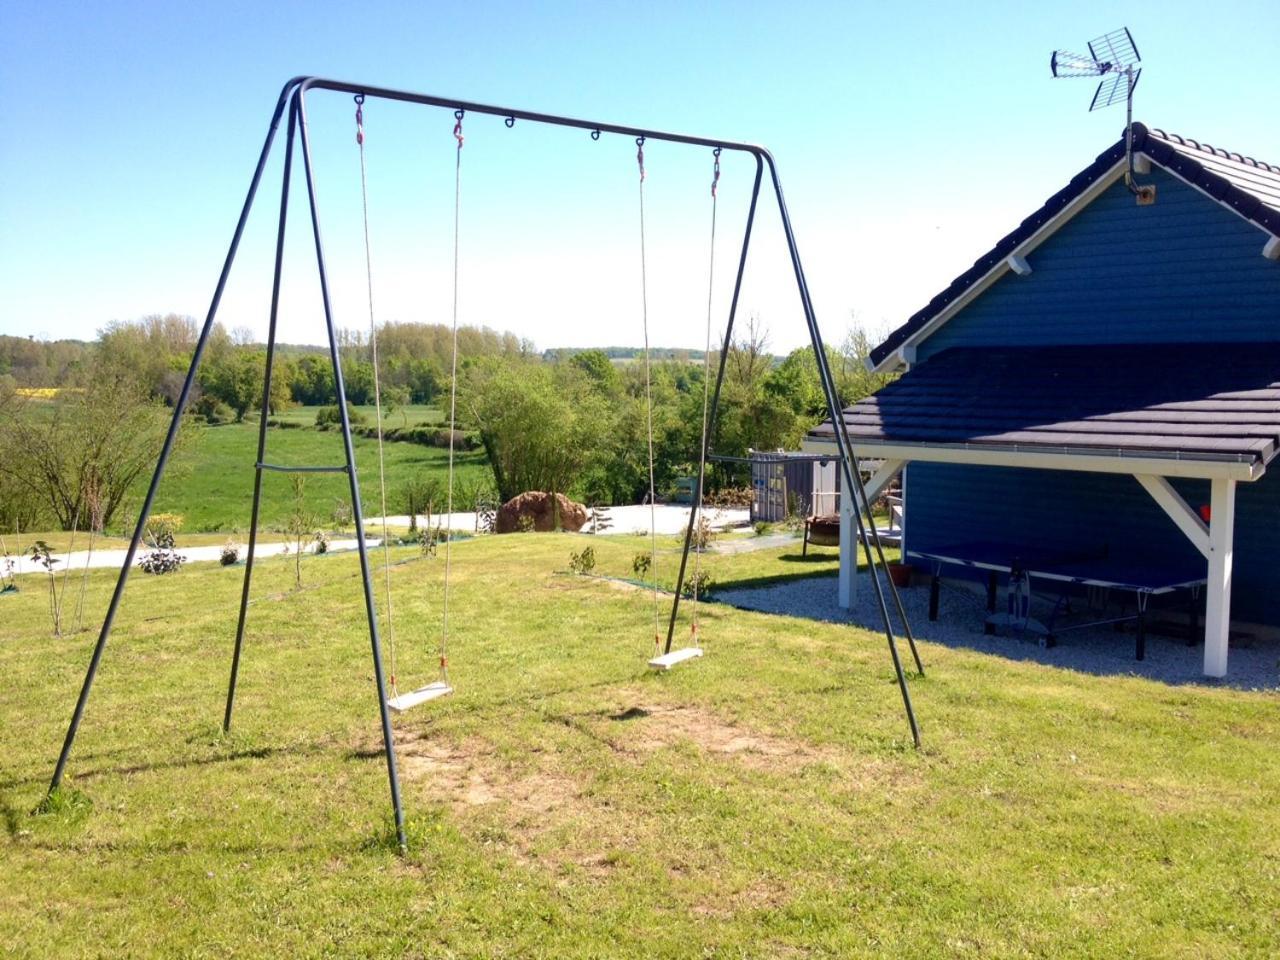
(640, 156)
(393, 679)
(457, 128)
(444, 662)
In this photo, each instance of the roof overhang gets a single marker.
(1047, 458)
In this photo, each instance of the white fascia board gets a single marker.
(1271, 249)
(1040, 459)
(980, 286)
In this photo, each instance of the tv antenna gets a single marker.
(1114, 57)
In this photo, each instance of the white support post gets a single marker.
(849, 544)
(847, 590)
(1217, 618)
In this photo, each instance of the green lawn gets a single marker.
(212, 486)
(761, 802)
(407, 416)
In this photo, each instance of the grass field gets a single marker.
(212, 486)
(761, 802)
(210, 483)
(411, 415)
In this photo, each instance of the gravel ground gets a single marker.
(1101, 651)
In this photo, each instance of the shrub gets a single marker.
(641, 563)
(699, 585)
(162, 528)
(331, 416)
(213, 411)
(428, 539)
(321, 541)
(524, 524)
(702, 535)
(230, 553)
(728, 497)
(584, 562)
(161, 561)
(341, 514)
(761, 528)
(599, 520)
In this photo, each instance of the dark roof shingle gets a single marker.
(1191, 401)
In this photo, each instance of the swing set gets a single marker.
(293, 100)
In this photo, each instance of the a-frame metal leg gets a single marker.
(262, 422)
(356, 511)
(848, 458)
(179, 408)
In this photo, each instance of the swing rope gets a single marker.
(706, 394)
(648, 402)
(377, 390)
(453, 394)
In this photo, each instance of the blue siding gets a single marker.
(953, 504)
(1183, 270)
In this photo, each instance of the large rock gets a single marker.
(542, 509)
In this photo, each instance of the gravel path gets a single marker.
(1099, 651)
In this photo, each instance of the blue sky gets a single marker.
(909, 138)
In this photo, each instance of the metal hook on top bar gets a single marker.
(640, 156)
(595, 134)
(715, 178)
(359, 99)
(510, 122)
(457, 126)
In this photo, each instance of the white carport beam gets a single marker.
(882, 478)
(1217, 615)
(1179, 511)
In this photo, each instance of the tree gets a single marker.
(235, 379)
(84, 446)
(393, 399)
(540, 427)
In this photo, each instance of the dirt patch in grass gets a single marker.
(525, 812)
(469, 775)
(645, 728)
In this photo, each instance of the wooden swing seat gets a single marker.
(432, 691)
(669, 660)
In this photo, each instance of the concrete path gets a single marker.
(114, 558)
(668, 519)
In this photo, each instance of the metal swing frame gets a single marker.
(293, 98)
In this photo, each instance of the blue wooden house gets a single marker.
(1103, 390)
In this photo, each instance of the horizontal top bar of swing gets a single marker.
(405, 96)
(286, 468)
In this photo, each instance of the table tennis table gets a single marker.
(1065, 571)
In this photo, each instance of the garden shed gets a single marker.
(1105, 382)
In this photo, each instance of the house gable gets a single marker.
(1186, 270)
(1248, 188)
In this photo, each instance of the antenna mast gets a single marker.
(1114, 57)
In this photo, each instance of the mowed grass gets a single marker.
(763, 801)
(410, 415)
(212, 483)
